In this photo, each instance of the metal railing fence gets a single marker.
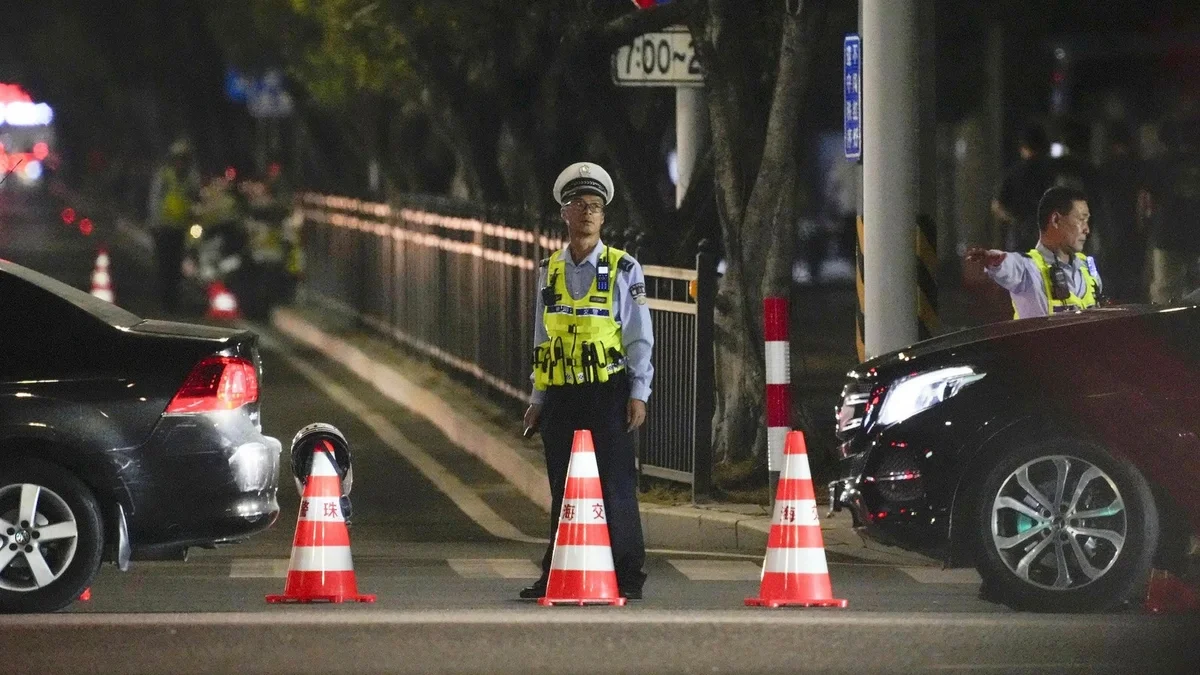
(456, 283)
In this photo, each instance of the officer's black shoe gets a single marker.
(631, 593)
(533, 592)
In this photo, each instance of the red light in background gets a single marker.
(274, 169)
(68, 215)
(85, 226)
(230, 173)
(40, 150)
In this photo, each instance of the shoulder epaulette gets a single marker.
(625, 264)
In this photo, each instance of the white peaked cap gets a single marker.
(583, 178)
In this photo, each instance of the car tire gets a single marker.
(62, 498)
(1106, 553)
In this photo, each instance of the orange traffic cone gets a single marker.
(86, 595)
(1168, 594)
(794, 571)
(101, 279)
(321, 569)
(222, 304)
(581, 569)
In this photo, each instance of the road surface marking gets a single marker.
(495, 568)
(718, 570)
(465, 498)
(934, 575)
(11, 625)
(258, 568)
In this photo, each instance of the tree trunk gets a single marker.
(755, 208)
(739, 429)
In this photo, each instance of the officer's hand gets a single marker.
(635, 413)
(987, 257)
(532, 414)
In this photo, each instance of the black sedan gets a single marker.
(120, 439)
(1060, 455)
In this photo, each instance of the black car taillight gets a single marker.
(216, 383)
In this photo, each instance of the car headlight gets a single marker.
(922, 391)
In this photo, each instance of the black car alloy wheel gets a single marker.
(51, 537)
(1063, 526)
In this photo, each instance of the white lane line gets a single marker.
(718, 570)
(12, 625)
(495, 568)
(935, 575)
(465, 498)
(257, 568)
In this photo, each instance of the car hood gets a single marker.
(885, 365)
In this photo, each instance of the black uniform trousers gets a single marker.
(601, 408)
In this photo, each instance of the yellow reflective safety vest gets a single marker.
(176, 208)
(1073, 302)
(584, 344)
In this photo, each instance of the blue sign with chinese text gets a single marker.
(852, 95)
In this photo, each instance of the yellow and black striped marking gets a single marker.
(928, 323)
(859, 316)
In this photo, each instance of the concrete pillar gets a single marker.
(890, 172)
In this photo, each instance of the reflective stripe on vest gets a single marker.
(584, 344)
(1073, 302)
(175, 207)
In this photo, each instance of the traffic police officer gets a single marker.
(592, 370)
(1056, 275)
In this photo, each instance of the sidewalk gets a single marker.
(492, 434)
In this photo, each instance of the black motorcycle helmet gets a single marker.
(314, 436)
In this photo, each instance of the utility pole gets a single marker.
(891, 172)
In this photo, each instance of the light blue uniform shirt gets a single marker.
(637, 334)
(1023, 280)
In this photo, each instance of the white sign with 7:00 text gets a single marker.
(660, 59)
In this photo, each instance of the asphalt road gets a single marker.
(444, 543)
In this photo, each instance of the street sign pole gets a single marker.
(668, 59)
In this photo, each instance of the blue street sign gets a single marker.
(236, 86)
(852, 89)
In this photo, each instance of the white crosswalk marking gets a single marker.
(934, 575)
(495, 568)
(256, 568)
(718, 570)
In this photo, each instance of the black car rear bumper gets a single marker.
(202, 480)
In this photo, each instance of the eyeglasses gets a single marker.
(584, 206)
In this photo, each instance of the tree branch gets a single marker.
(632, 24)
(791, 86)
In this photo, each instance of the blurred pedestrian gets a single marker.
(1014, 206)
(1122, 177)
(1173, 204)
(173, 194)
(1055, 275)
(592, 367)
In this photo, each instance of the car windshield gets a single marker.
(105, 311)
